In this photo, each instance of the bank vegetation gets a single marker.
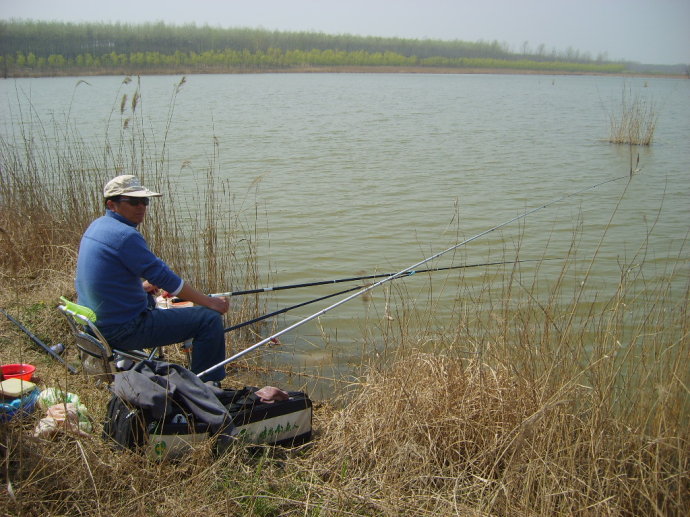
(531, 402)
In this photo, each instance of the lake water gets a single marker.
(364, 173)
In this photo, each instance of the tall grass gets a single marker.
(51, 183)
(538, 399)
(634, 121)
(580, 407)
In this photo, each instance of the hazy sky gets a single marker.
(648, 31)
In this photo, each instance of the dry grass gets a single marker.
(571, 403)
(434, 436)
(564, 405)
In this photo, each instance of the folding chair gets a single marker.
(98, 358)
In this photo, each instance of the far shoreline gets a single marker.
(331, 70)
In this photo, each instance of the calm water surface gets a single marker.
(364, 173)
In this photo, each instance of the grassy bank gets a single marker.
(541, 423)
(532, 402)
(182, 70)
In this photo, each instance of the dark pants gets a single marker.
(160, 327)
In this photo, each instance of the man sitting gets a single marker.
(115, 269)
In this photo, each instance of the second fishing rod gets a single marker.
(369, 277)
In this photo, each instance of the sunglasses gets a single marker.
(136, 201)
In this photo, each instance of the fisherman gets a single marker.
(117, 273)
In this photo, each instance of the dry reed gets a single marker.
(51, 181)
(634, 122)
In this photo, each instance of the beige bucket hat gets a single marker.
(127, 185)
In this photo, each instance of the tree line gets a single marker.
(274, 59)
(54, 47)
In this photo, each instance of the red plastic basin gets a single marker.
(20, 371)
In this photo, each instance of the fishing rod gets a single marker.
(286, 309)
(369, 277)
(399, 274)
(321, 298)
(40, 343)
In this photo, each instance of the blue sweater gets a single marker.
(113, 260)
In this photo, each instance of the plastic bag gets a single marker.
(61, 417)
(64, 412)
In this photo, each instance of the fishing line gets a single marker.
(401, 273)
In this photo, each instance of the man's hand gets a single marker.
(150, 288)
(217, 303)
(220, 304)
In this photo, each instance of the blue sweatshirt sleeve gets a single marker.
(140, 261)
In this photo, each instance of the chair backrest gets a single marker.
(97, 357)
(94, 351)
